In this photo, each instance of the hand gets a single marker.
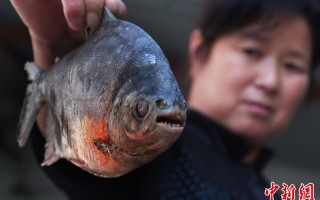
(58, 26)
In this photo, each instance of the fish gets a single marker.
(113, 103)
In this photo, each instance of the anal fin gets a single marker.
(50, 155)
(50, 160)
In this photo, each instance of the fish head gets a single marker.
(148, 112)
(145, 109)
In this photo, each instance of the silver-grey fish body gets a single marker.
(114, 103)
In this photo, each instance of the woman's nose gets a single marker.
(268, 75)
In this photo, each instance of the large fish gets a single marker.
(114, 103)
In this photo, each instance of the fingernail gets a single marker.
(93, 20)
(109, 2)
(112, 5)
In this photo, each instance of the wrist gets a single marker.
(45, 54)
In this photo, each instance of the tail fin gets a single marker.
(31, 105)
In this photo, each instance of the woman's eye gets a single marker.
(252, 52)
(295, 68)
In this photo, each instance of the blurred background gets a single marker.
(169, 22)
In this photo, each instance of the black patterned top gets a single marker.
(203, 164)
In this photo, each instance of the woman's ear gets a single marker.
(195, 40)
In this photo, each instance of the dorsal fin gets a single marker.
(107, 16)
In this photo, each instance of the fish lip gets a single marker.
(167, 121)
(171, 119)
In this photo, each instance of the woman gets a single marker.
(251, 66)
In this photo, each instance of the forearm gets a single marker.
(44, 54)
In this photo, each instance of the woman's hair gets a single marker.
(220, 17)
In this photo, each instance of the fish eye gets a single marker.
(142, 109)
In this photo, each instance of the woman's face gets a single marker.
(253, 80)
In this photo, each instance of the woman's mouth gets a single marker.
(259, 109)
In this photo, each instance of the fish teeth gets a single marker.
(169, 124)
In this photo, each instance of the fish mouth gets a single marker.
(171, 120)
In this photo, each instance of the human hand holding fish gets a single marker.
(58, 26)
(114, 103)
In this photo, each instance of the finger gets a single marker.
(74, 11)
(117, 7)
(93, 13)
(122, 10)
(112, 5)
